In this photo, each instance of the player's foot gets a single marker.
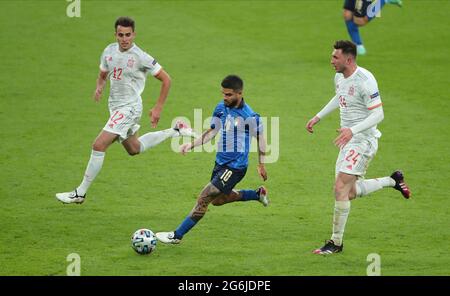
(263, 196)
(361, 50)
(184, 130)
(329, 248)
(399, 3)
(167, 237)
(70, 197)
(400, 184)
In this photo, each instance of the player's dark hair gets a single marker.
(346, 46)
(233, 82)
(124, 21)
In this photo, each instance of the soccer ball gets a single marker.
(143, 241)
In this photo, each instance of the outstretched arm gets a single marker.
(331, 106)
(101, 82)
(155, 112)
(205, 138)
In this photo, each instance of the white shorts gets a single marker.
(123, 122)
(354, 158)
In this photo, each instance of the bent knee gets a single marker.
(98, 146)
(338, 186)
(339, 190)
(352, 193)
(133, 152)
(361, 21)
(132, 149)
(347, 14)
(218, 202)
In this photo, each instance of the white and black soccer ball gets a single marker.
(143, 241)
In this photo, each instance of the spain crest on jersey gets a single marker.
(351, 91)
(130, 62)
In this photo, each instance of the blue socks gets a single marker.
(184, 227)
(353, 31)
(249, 195)
(188, 222)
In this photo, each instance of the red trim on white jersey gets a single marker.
(376, 106)
(157, 73)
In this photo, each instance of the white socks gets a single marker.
(342, 208)
(96, 161)
(365, 187)
(152, 139)
(93, 168)
(341, 211)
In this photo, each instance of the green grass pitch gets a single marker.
(282, 50)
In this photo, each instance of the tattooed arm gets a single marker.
(205, 138)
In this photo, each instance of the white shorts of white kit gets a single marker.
(355, 157)
(124, 122)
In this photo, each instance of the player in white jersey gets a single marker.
(359, 101)
(127, 67)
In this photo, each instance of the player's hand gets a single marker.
(185, 148)
(311, 123)
(262, 171)
(155, 114)
(345, 135)
(98, 94)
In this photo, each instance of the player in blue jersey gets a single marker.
(237, 123)
(358, 13)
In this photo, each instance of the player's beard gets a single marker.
(339, 69)
(231, 104)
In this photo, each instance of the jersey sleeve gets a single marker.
(371, 94)
(330, 107)
(103, 63)
(216, 121)
(150, 64)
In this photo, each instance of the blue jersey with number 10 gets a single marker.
(236, 127)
